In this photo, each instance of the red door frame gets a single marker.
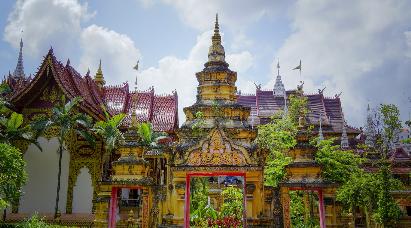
(210, 174)
(113, 204)
(320, 199)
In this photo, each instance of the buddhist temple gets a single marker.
(151, 186)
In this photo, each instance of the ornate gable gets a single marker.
(217, 150)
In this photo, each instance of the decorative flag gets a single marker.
(136, 66)
(298, 67)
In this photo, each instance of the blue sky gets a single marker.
(359, 48)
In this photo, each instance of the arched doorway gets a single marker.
(83, 192)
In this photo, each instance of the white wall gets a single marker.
(42, 170)
(83, 192)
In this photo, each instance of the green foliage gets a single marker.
(145, 132)
(197, 127)
(233, 202)
(297, 107)
(387, 212)
(390, 124)
(202, 213)
(278, 137)
(12, 129)
(298, 211)
(36, 222)
(337, 165)
(109, 130)
(12, 174)
(360, 190)
(4, 104)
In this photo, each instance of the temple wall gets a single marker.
(42, 170)
(83, 193)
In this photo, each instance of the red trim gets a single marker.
(322, 209)
(210, 174)
(113, 203)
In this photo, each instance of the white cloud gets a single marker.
(240, 61)
(117, 52)
(356, 47)
(236, 14)
(44, 23)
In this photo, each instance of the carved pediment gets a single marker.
(217, 150)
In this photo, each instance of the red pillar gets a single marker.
(187, 202)
(322, 210)
(113, 207)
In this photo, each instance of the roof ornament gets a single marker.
(99, 77)
(133, 105)
(300, 87)
(135, 82)
(338, 95)
(321, 91)
(279, 89)
(19, 71)
(216, 51)
(257, 86)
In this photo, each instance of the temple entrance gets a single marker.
(303, 207)
(215, 199)
(126, 207)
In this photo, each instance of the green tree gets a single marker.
(388, 211)
(109, 131)
(233, 202)
(12, 175)
(66, 118)
(337, 165)
(278, 137)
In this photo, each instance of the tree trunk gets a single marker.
(58, 180)
(367, 217)
(4, 215)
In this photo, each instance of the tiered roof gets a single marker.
(160, 110)
(264, 104)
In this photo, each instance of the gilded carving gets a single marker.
(218, 150)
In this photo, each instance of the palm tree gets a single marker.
(147, 136)
(12, 130)
(109, 131)
(66, 119)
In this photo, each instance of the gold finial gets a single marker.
(99, 78)
(216, 36)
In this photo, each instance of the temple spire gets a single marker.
(344, 138)
(279, 89)
(19, 71)
(369, 129)
(134, 122)
(99, 78)
(216, 51)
